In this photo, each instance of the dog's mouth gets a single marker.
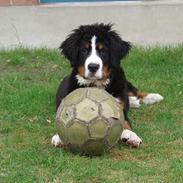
(92, 81)
(92, 77)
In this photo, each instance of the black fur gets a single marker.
(115, 50)
(118, 48)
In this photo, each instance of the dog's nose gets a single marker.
(93, 67)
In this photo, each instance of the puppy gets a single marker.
(95, 52)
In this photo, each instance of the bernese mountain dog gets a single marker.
(95, 52)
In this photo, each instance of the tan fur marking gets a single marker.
(105, 72)
(101, 82)
(139, 94)
(87, 45)
(142, 94)
(105, 75)
(126, 125)
(131, 94)
(81, 71)
(100, 46)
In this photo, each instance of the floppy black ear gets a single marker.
(70, 47)
(118, 48)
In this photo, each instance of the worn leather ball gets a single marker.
(89, 120)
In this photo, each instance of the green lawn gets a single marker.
(28, 83)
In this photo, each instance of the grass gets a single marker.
(28, 82)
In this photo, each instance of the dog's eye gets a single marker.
(84, 51)
(100, 46)
(101, 51)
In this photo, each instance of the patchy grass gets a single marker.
(28, 82)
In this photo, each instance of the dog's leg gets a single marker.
(56, 141)
(135, 97)
(134, 102)
(150, 98)
(129, 137)
(63, 90)
(146, 98)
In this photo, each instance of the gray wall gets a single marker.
(141, 23)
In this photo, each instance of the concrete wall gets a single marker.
(47, 25)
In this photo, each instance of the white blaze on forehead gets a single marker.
(93, 45)
(95, 59)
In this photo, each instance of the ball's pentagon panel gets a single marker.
(86, 110)
(67, 114)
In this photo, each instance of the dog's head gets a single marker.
(93, 50)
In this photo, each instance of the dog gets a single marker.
(95, 52)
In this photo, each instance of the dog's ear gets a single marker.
(70, 47)
(118, 48)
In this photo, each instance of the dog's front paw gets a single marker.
(152, 98)
(134, 102)
(56, 141)
(130, 138)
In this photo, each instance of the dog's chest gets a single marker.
(92, 83)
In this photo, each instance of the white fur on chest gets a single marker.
(87, 82)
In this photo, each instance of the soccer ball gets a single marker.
(89, 120)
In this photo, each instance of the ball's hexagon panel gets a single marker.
(114, 134)
(98, 128)
(110, 109)
(77, 133)
(67, 114)
(75, 97)
(97, 95)
(94, 147)
(62, 131)
(86, 110)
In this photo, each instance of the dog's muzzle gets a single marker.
(93, 68)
